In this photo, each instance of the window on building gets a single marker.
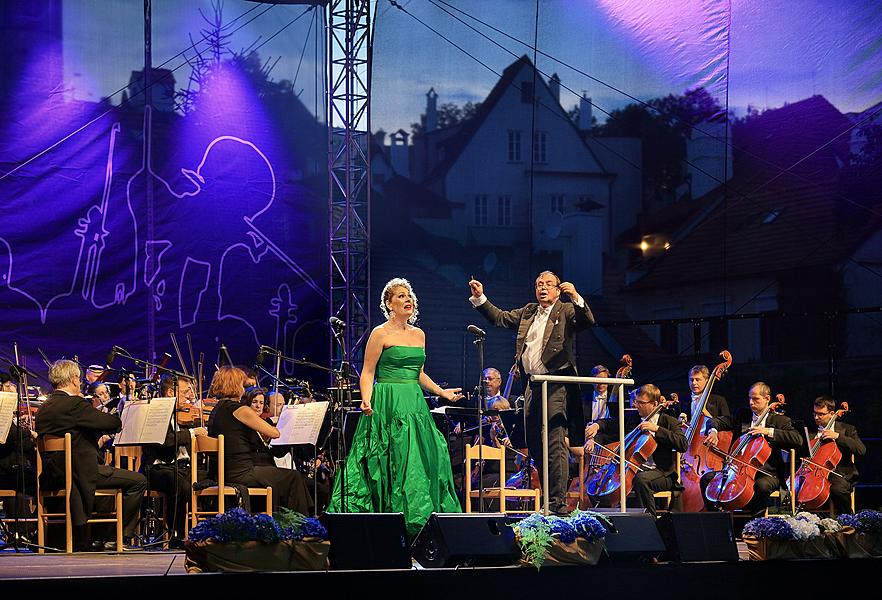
(539, 147)
(527, 92)
(504, 215)
(480, 210)
(514, 145)
(557, 203)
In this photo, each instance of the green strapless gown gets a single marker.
(399, 461)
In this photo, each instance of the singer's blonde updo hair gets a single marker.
(386, 296)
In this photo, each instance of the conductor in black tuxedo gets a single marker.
(849, 444)
(65, 411)
(546, 333)
(778, 431)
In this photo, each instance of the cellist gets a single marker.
(778, 432)
(658, 474)
(849, 444)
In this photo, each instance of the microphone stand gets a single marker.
(482, 401)
(343, 395)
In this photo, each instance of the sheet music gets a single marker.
(8, 401)
(300, 423)
(145, 421)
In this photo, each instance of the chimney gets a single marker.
(554, 86)
(584, 112)
(398, 153)
(431, 111)
(380, 138)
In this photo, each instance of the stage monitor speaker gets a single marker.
(367, 541)
(636, 536)
(693, 537)
(481, 539)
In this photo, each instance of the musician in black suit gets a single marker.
(716, 406)
(167, 466)
(546, 333)
(849, 444)
(65, 411)
(778, 431)
(658, 474)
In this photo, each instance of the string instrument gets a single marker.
(813, 476)
(732, 486)
(595, 454)
(605, 484)
(512, 375)
(699, 458)
(189, 417)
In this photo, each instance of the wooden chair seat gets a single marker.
(501, 493)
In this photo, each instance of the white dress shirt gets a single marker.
(599, 407)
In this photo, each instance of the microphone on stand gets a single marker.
(337, 323)
(475, 330)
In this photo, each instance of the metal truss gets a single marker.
(348, 119)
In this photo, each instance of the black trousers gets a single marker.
(646, 483)
(558, 452)
(763, 487)
(177, 488)
(132, 485)
(290, 488)
(840, 494)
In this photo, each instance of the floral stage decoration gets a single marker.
(862, 534)
(782, 537)
(237, 541)
(551, 540)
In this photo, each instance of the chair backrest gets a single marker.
(56, 443)
(132, 453)
(207, 445)
(474, 453)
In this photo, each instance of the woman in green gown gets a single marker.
(399, 461)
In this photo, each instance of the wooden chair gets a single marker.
(669, 495)
(203, 444)
(133, 455)
(777, 493)
(501, 492)
(12, 494)
(53, 443)
(579, 453)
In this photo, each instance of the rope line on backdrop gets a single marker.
(139, 92)
(646, 105)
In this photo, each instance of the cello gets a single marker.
(699, 458)
(604, 485)
(813, 476)
(732, 486)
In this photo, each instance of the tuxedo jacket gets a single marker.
(62, 413)
(669, 438)
(785, 436)
(716, 405)
(564, 321)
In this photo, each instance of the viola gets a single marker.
(606, 483)
(732, 486)
(512, 375)
(699, 458)
(813, 476)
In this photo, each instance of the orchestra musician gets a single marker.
(658, 473)
(849, 444)
(65, 411)
(167, 465)
(778, 432)
(237, 422)
(18, 460)
(716, 406)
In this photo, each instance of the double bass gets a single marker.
(732, 487)
(698, 458)
(813, 476)
(605, 484)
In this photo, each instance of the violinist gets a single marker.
(492, 385)
(849, 444)
(778, 432)
(18, 457)
(658, 473)
(167, 466)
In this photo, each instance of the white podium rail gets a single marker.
(545, 380)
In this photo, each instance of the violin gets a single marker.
(813, 476)
(699, 458)
(188, 417)
(606, 483)
(732, 486)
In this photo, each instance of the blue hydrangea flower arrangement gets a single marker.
(237, 525)
(866, 521)
(537, 532)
